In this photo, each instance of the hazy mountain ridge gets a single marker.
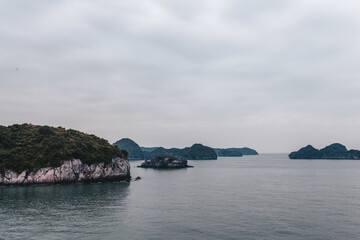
(196, 151)
(235, 152)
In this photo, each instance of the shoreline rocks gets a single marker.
(71, 171)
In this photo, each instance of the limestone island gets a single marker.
(195, 152)
(165, 162)
(333, 151)
(235, 152)
(43, 155)
(134, 150)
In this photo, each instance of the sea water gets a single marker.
(253, 197)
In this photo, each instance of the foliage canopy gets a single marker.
(28, 146)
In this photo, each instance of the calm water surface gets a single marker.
(253, 197)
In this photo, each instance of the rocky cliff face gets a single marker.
(72, 171)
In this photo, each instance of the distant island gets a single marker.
(195, 152)
(148, 149)
(166, 161)
(134, 150)
(33, 154)
(235, 152)
(333, 151)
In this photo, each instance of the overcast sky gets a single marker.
(270, 75)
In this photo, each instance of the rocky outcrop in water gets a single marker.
(165, 162)
(72, 171)
(333, 151)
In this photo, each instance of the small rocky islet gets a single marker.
(165, 162)
(333, 151)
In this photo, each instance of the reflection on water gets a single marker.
(53, 212)
(253, 197)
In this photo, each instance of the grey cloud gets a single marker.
(269, 75)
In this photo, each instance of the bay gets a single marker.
(253, 197)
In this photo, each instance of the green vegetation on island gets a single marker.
(333, 151)
(28, 147)
(148, 149)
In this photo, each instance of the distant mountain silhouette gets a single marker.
(333, 151)
(235, 152)
(134, 150)
(195, 152)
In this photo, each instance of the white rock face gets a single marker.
(9, 176)
(19, 179)
(30, 178)
(72, 171)
(66, 172)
